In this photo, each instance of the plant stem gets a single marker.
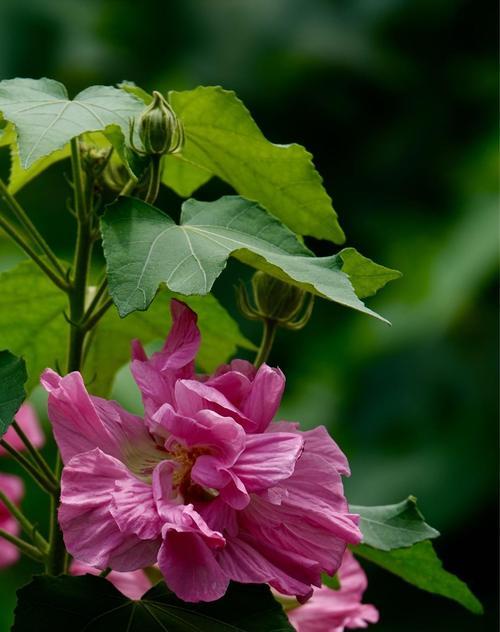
(129, 187)
(35, 454)
(154, 179)
(24, 547)
(13, 233)
(37, 475)
(96, 317)
(26, 525)
(29, 227)
(105, 572)
(57, 558)
(268, 334)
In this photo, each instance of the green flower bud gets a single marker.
(159, 129)
(276, 299)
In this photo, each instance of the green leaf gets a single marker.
(332, 582)
(110, 348)
(419, 565)
(393, 526)
(93, 604)
(46, 119)
(223, 140)
(31, 319)
(20, 177)
(366, 276)
(144, 248)
(32, 325)
(12, 378)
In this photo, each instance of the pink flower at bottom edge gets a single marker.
(13, 488)
(335, 610)
(132, 584)
(27, 419)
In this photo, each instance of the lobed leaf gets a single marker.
(92, 604)
(12, 378)
(223, 140)
(393, 526)
(144, 248)
(46, 119)
(419, 565)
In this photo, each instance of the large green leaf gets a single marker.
(46, 119)
(110, 347)
(393, 526)
(93, 604)
(32, 325)
(144, 248)
(366, 276)
(419, 565)
(223, 140)
(12, 378)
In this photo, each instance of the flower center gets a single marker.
(186, 458)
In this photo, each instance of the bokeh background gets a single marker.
(397, 100)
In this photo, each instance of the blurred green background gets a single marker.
(398, 103)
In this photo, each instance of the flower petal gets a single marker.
(91, 533)
(82, 423)
(190, 568)
(265, 397)
(267, 459)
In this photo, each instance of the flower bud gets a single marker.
(160, 130)
(277, 301)
(94, 159)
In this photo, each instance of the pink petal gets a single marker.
(132, 584)
(249, 563)
(192, 396)
(267, 459)
(82, 423)
(337, 609)
(183, 340)
(28, 421)
(190, 568)
(205, 429)
(91, 533)
(134, 509)
(265, 397)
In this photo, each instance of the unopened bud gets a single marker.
(160, 131)
(277, 301)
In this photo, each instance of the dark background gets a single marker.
(398, 103)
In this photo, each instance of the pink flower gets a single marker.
(13, 488)
(27, 420)
(132, 584)
(205, 486)
(335, 610)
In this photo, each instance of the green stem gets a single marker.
(154, 179)
(35, 454)
(25, 524)
(91, 322)
(57, 558)
(105, 572)
(129, 187)
(268, 335)
(29, 227)
(24, 547)
(37, 475)
(24, 245)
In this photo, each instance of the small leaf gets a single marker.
(12, 378)
(419, 565)
(46, 120)
(366, 276)
(223, 140)
(110, 347)
(144, 248)
(393, 526)
(332, 582)
(93, 604)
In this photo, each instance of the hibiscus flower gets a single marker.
(206, 485)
